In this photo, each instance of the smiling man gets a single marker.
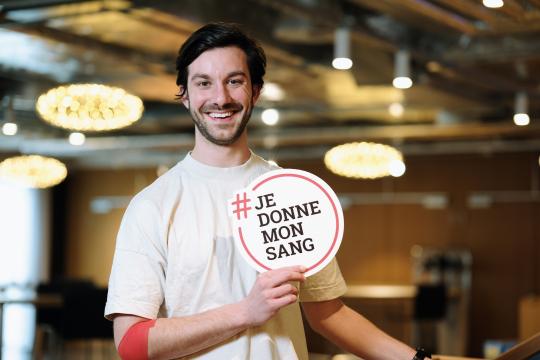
(178, 287)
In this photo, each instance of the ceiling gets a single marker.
(468, 62)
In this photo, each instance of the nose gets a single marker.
(222, 95)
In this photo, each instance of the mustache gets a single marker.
(224, 107)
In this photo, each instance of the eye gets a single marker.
(203, 83)
(236, 82)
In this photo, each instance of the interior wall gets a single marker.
(91, 236)
(503, 237)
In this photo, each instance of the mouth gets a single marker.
(220, 115)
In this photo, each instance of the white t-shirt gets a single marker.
(175, 256)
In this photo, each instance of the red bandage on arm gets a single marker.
(134, 344)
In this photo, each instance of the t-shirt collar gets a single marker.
(216, 172)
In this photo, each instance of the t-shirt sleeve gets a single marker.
(138, 271)
(327, 284)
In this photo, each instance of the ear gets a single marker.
(256, 92)
(184, 98)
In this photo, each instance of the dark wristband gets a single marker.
(421, 354)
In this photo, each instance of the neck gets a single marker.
(221, 155)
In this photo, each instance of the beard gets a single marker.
(204, 127)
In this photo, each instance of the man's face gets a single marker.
(220, 96)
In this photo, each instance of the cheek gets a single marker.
(244, 95)
(196, 102)
(196, 96)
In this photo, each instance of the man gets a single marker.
(175, 258)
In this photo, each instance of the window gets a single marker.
(24, 238)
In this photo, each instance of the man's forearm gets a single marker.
(354, 333)
(363, 338)
(172, 338)
(177, 337)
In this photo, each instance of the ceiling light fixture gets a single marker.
(33, 171)
(273, 92)
(342, 49)
(493, 4)
(396, 168)
(89, 107)
(270, 117)
(396, 109)
(77, 138)
(9, 129)
(365, 160)
(521, 104)
(270, 141)
(402, 70)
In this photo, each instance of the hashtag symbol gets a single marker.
(241, 206)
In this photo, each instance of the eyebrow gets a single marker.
(202, 76)
(229, 75)
(236, 73)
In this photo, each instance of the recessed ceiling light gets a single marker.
(521, 119)
(402, 82)
(273, 92)
(342, 63)
(270, 117)
(396, 168)
(493, 3)
(77, 138)
(9, 129)
(396, 109)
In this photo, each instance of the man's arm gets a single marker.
(353, 332)
(178, 337)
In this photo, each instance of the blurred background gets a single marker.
(443, 251)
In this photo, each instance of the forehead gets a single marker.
(219, 62)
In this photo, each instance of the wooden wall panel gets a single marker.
(501, 239)
(90, 236)
(504, 238)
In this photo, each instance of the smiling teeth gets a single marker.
(220, 115)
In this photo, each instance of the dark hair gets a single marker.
(216, 35)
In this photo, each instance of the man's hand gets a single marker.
(271, 292)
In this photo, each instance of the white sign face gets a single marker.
(287, 217)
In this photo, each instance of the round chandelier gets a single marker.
(33, 171)
(365, 160)
(89, 107)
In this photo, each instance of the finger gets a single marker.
(277, 277)
(296, 268)
(283, 290)
(284, 301)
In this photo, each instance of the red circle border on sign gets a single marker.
(333, 207)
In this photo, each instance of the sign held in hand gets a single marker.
(287, 217)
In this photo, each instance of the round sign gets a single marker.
(287, 217)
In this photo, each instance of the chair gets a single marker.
(79, 319)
